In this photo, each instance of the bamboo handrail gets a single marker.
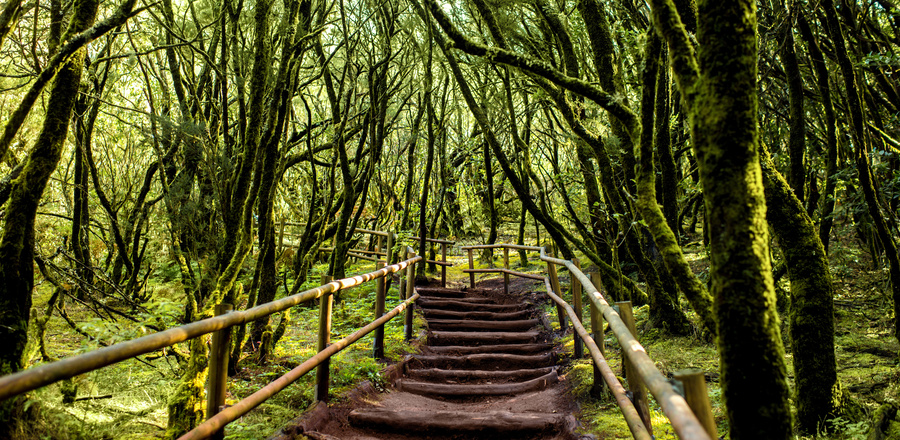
(506, 271)
(508, 246)
(239, 409)
(674, 406)
(355, 231)
(33, 378)
(434, 240)
(629, 412)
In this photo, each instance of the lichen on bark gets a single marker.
(718, 87)
(17, 240)
(818, 393)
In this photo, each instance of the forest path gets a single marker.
(489, 370)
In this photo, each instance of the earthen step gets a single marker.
(500, 348)
(494, 316)
(481, 338)
(487, 423)
(477, 390)
(486, 326)
(465, 304)
(482, 361)
(463, 376)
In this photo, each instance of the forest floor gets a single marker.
(128, 400)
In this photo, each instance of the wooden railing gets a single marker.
(381, 249)
(220, 326)
(689, 414)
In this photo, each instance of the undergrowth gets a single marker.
(128, 400)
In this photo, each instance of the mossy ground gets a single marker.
(866, 353)
(139, 389)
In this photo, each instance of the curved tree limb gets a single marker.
(17, 118)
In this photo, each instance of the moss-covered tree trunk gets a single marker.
(718, 87)
(17, 239)
(663, 304)
(797, 122)
(861, 149)
(9, 16)
(429, 160)
(185, 406)
(831, 164)
(725, 132)
(80, 244)
(411, 169)
(818, 392)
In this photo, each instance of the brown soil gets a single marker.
(493, 374)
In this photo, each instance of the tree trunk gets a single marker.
(725, 131)
(429, 162)
(17, 240)
(719, 89)
(831, 167)
(81, 217)
(797, 122)
(861, 146)
(818, 392)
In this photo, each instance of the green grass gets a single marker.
(138, 406)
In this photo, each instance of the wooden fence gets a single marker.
(220, 326)
(383, 242)
(690, 414)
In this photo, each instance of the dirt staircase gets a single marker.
(487, 371)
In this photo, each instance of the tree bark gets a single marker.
(831, 164)
(861, 147)
(718, 87)
(17, 240)
(819, 395)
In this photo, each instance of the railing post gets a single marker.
(576, 304)
(635, 382)
(390, 248)
(378, 342)
(471, 267)
(218, 369)
(697, 398)
(554, 283)
(600, 388)
(322, 371)
(443, 267)
(506, 266)
(389, 260)
(410, 288)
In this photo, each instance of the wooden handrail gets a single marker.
(363, 254)
(33, 378)
(674, 406)
(507, 246)
(246, 404)
(434, 240)
(629, 412)
(506, 271)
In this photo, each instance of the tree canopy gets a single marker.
(142, 136)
